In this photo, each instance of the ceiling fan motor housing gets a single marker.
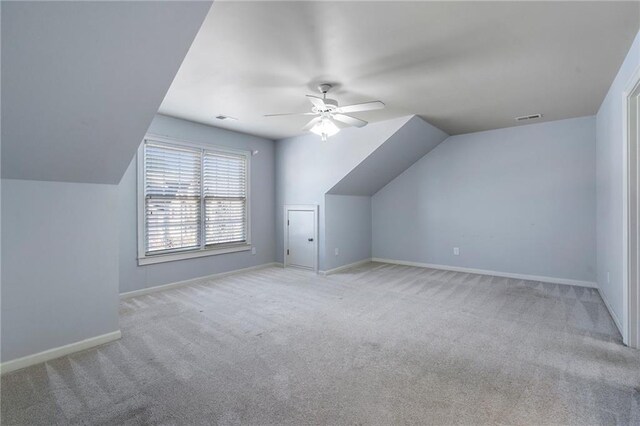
(330, 106)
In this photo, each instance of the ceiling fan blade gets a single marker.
(351, 121)
(290, 113)
(317, 102)
(311, 123)
(367, 106)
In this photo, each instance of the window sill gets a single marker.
(170, 257)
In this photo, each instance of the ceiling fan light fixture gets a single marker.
(325, 128)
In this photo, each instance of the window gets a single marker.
(193, 200)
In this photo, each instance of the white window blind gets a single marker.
(225, 198)
(183, 185)
(172, 198)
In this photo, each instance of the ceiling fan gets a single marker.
(328, 112)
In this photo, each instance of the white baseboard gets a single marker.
(170, 286)
(616, 320)
(49, 354)
(343, 267)
(540, 278)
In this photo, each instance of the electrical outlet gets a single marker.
(456, 251)
(253, 250)
(337, 252)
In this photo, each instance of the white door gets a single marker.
(301, 241)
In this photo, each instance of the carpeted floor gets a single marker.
(378, 344)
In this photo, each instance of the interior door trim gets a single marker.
(301, 207)
(631, 221)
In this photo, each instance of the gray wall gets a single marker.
(59, 264)
(609, 164)
(348, 228)
(306, 168)
(518, 200)
(134, 277)
(69, 120)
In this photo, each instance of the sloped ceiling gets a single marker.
(406, 146)
(81, 82)
(461, 66)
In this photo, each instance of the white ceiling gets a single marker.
(81, 82)
(462, 66)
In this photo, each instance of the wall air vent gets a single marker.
(529, 117)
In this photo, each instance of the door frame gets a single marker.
(301, 207)
(630, 222)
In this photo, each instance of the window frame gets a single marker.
(181, 254)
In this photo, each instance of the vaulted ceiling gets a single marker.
(412, 141)
(462, 66)
(81, 82)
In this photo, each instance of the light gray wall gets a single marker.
(83, 80)
(348, 228)
(518, 200)
(59, 264)
(306, 168)
(134, 277)
(609, 164)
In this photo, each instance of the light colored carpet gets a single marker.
(378, 344)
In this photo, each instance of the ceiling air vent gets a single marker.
(529, 117)
(225, 117)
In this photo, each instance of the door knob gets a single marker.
(310, 239)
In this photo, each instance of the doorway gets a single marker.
(632, 211)
(301, 236)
